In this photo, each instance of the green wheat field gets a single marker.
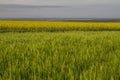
(62, 55)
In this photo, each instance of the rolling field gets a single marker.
(59, 53)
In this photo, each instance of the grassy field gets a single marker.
(42, 50)
(71, 55)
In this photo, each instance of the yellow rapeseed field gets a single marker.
(8, 24)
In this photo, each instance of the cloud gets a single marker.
(36, 2)
(81, 11)
(59, 2)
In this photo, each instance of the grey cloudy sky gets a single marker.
(71, 9)
(59, 2)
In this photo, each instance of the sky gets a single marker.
(59, 2)
(69, 9)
